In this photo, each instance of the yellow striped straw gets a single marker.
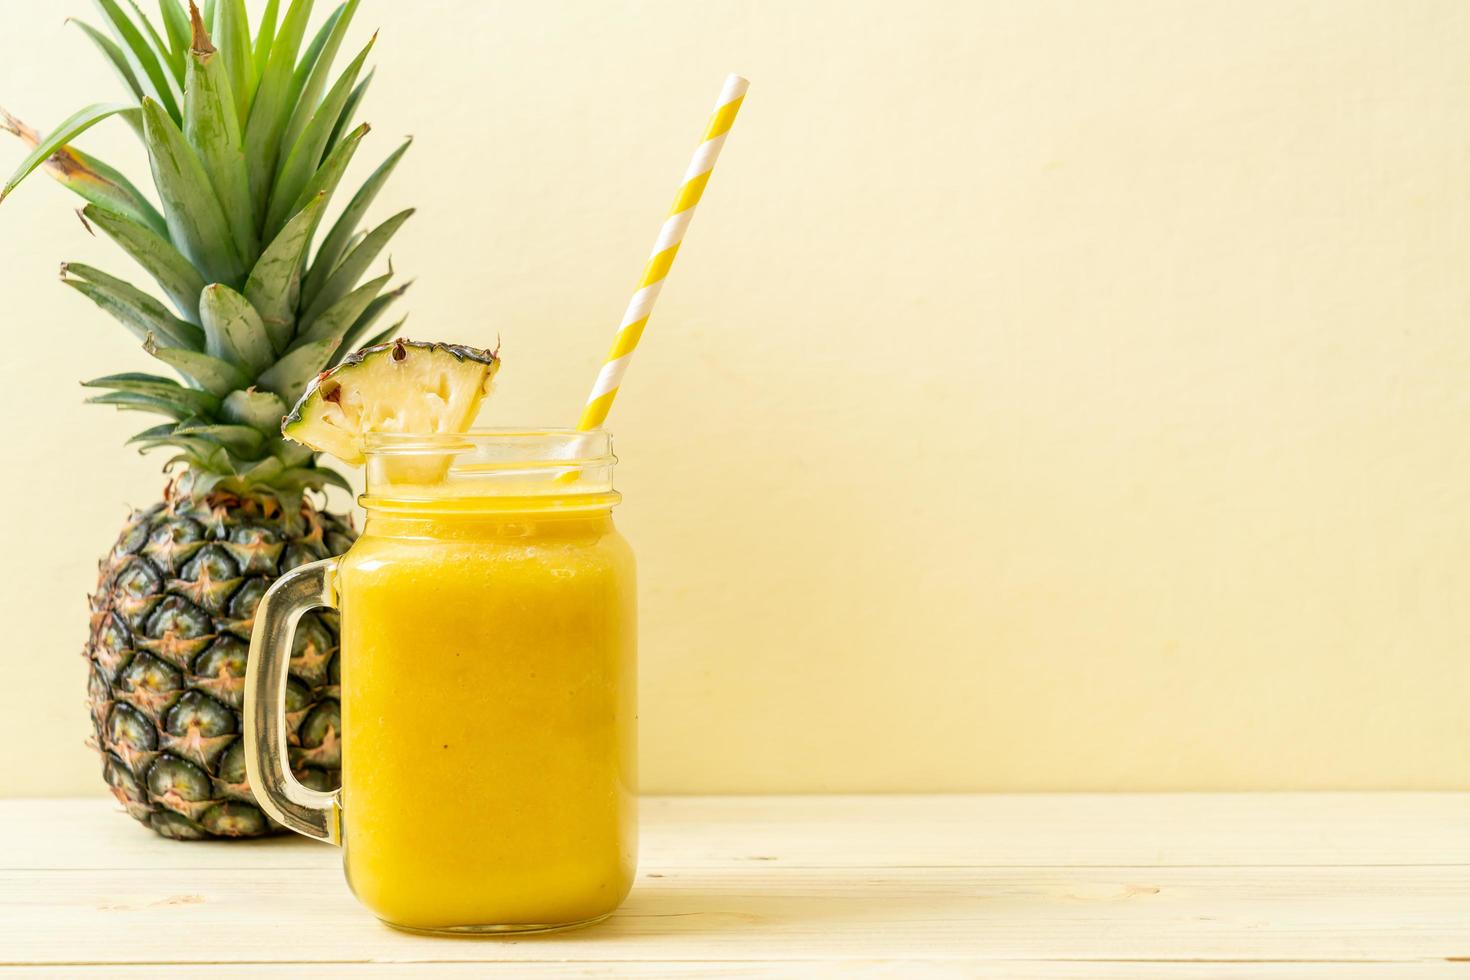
(664, 250)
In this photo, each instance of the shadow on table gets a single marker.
(790, 901)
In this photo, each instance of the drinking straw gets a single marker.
(662, 258)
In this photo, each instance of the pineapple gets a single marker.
(248, 134)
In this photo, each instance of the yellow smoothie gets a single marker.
(488, 701)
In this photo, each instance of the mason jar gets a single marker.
(488, 686)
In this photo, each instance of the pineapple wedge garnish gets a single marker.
(403, 386)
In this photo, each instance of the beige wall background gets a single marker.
(1050, 395)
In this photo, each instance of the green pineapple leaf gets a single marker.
(315, 71)
(266, 36)
(330, 175)
(290, 453)
(204, 482)
(113, 54)
(354, 266)
(267, 471)
(55, 141)
(129, 401)
(304, 156)
(353, 242)
(268, 113)
(241, 440)
(196, 221)
(349, 111)
(202, 402)
(274, 285)
(90, 178)
(133, 308)
(314, 478)
(261, 410)
(213, 375)
(289, 376)
(160, 47)
(178, 277)
(303, 68)
(353, 341)
(232, 329)
(201, 455)
(100, 184)
(337, 321)
(156, 79)
(231, 31)
(212, 128)
(176, 25)
(152, 434)
(336, 244)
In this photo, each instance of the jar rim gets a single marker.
(503, 463)
(552, 444)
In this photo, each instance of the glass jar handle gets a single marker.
(279, 793)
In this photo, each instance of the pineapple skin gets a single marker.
(170, 631)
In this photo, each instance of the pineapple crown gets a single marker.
(248, 138)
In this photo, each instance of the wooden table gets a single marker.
(1293, 885)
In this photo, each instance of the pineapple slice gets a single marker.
(402, 386)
